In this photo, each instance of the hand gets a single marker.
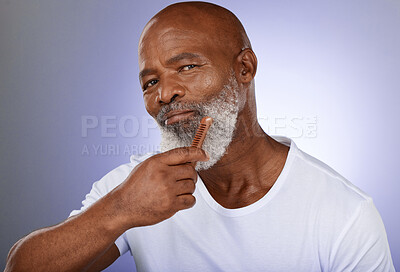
(159, 187)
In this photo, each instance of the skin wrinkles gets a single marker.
(253, 160)
(155, 57)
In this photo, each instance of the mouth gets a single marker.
(175, 116)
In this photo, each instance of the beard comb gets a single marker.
(201, 133)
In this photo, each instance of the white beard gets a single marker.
(223, 108)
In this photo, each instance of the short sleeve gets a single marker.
(102, 187)
(362, 245)
(122, 244)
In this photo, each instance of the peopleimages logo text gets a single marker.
(130, 126)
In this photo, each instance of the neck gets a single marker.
(249, 168)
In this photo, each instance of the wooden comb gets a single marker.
(201, 133)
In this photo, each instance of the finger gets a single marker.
(184, 171)
(185, 186)
(182, 155)
(185, 201)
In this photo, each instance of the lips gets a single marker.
(177, 115)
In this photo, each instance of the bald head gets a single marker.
(222, 27)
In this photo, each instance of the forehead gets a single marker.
(161, 42)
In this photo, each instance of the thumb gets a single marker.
(184, 154)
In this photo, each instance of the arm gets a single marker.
(154, 191)
(74, 244)
(105, 260)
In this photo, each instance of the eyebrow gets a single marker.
(145, 72)
(170, 61)
(182, 56)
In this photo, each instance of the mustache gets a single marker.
(196, 107)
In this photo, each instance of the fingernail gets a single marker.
(208, 156)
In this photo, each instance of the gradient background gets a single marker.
(328, 77)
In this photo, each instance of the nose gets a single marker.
(169, 91)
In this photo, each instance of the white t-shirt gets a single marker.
(312, 219)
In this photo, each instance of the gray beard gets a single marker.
(223, 108)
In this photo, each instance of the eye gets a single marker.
(149, 84)
(187, 67)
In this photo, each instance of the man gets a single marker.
(262, 204)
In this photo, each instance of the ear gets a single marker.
(246, 65)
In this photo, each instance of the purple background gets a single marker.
(336, 62)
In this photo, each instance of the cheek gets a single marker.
(208, 84)
(150, 104)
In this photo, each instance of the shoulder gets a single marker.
(325, 180)
(348, 226)
(333, 198)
